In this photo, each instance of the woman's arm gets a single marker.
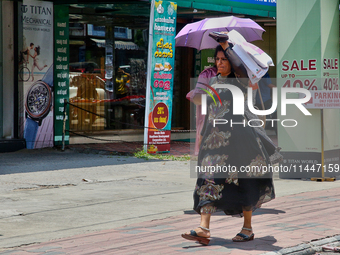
(200, 141)
(34, 55)
(197, 99)
(203, 80)
(236, 63)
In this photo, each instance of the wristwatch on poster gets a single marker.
(39, 100)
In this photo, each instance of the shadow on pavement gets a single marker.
(265, 243)
(259, 211)
(50, 159)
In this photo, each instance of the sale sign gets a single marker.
(308, 59)
(160, 77)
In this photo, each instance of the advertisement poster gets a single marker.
(160, 91)
(36, 72)
(61, 71)
(308, 59)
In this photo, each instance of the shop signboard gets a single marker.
(36, 72)
(207, 58)
(161, 61)
(308, 58)
(198, 68)
(204, 59)
(61, 72)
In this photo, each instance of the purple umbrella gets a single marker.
(196, 35)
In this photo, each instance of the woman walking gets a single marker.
(237, 147)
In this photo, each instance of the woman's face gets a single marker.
(222, 63)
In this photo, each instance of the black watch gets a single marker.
(38, 104)
(39, 98)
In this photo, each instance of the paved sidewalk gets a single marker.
(177, 148)
(284, 222)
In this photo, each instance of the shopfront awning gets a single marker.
(119, 45)
(261, 8)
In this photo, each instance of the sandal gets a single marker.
(245, 238)
(330, 248)
(194, 237)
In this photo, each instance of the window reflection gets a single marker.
(107, 77)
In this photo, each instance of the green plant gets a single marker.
(144, 155)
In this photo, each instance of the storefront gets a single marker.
(10, 139)
(100, 65)
(1, 86)
(107, 68)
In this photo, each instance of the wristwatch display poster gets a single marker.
(38, 104)
(36, 97)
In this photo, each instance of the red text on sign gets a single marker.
(162, 84)
(299, 65)
(329, 63)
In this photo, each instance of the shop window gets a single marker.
(123, 33)
(107, 77)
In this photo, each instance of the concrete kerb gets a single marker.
(97, 151)
(308, 248)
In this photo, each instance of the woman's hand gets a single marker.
(225, 45)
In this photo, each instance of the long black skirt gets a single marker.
(234, 169)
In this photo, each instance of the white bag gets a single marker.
(255, 60)
(235, 37)
(259, 56)
(255, 72)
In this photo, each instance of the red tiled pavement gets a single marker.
(284, 222)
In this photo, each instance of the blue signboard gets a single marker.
(162, 77)
(261, 2)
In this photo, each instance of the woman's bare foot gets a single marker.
(245, 231)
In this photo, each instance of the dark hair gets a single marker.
(37, 49)
(217, 50)
(31, 44)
